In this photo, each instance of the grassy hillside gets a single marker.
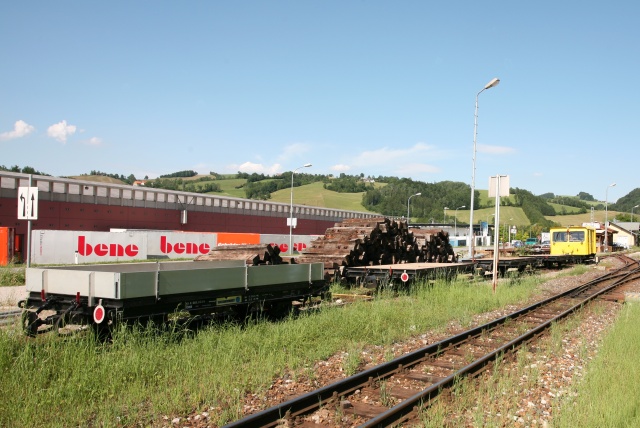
(97, 178)
(485, 200)
(578, 219)
(316, 195)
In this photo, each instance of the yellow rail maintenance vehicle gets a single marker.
(576, 241)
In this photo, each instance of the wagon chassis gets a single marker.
(199, 290)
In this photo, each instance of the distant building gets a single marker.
(628, 232)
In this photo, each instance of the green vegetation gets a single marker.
(391, 200)
(11, 275)
(200, 185)
(185, 173)
(316, 195)
(24, 170)
(348, 184)
(146, 375)
(607, 397)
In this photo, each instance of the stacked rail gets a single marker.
(374, 242)
(252, 255)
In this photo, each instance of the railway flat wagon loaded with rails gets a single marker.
(100, 296)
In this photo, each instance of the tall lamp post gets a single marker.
(489, 85)
(632, 211)
(409, 200)
(606, 218)
(455, 220)
(306, 165)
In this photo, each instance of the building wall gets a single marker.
(65, 204)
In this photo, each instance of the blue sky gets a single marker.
(372, 87)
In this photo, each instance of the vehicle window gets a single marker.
(559, 236)
(576, 236)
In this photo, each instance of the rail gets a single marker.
(419, 377)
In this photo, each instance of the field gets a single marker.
(97, 178)
(315, 195)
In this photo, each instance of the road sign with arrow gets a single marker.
(27, 203)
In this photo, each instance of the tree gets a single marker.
(583, 196)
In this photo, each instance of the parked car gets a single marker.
(531, 241)
(544, 247)
(517, 243)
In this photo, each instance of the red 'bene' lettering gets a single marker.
(103, 250)
(183, 248)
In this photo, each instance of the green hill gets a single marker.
(97, 178)
(316, 195)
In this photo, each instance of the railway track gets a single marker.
(8, 317)
(397, 391)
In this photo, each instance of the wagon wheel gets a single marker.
(29, 323)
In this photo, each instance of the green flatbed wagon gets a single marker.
(101, 295)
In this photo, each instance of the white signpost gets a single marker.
(498, 186)
(28, 210)
(27, 203)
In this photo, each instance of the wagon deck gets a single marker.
(154, 290)
(404, 272)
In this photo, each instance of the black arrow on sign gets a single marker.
(24, 206)
(32, 204)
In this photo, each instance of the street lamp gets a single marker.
(455, 220)
(506, 231)
(606, 218)
(632, 211)
(307, 165)
(445, 214)
(409, 200)
(489, 85)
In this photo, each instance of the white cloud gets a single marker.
(384, 155)
(340, 168)
(495, 150)
(293, 151)
(93, 141)
(250, 168)
(20, 129)
(538, 174)
(407, 170)
(61, 131)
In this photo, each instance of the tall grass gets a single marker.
(608, 396)
(11, 275)
(145, 374)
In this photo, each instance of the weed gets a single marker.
(12, 275)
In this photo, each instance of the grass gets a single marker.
(11, 275)
(607, 397)
(145, 375)
(496, 399)
(316, 195)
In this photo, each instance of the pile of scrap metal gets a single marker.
(378, 241)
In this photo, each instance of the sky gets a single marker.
(378, 88)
